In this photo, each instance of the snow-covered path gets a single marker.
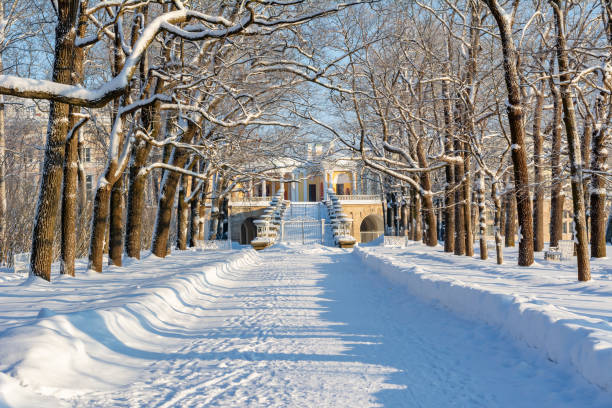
(307, 327)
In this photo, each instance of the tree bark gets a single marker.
(538, 192)
(467, 207)
(159, 246)
(517, 133)
(509, 236)
(182, 219)
(598, 186)
(135, 202)
(151, 120)
(115, 224)
(569, 118)
(416, 217)
(497, 222)
(3, 202)
(585, 150)
(482, 214)
(70, 204)
(556, 195)
(51, 179)
(194, 215)
(600, 154)
(102, 205)
(449, 172)
(431, 237)
(459, 207)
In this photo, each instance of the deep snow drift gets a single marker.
(290, 326)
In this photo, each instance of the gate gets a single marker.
(305, 211)
(306, 232)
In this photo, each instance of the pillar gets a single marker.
(264, 188)
(305, 181)
(325, 185)
(354, 186)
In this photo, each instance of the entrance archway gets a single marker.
(371, 228)
(248, 231)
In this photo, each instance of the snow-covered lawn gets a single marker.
(286, 327)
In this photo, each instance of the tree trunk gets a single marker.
(482, 214)
(497, 222)
(538, 192)
(115, 224)
(470, 98)
(416, 217)
(556, 195)
(609, 228)
(431, 236)
(51, 179)
(459, 207)
(102, 205)
(449, 172)
(202, 218)
(69, 203)
(585, 150)
(194, 215)
(159, 246)
(182, 219)
(510, 220)
(517, 133)
(467, 207)
(598, 188)
(569, 118)
(600, 154)
(3, 203)
(135, 204)
(99, 219)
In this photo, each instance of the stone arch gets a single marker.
(371, 227)
(248, 231)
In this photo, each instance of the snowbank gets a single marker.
(58, 351)
(568, 338)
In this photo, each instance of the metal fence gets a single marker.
(306, 232)
(305, 210)
(359, 197)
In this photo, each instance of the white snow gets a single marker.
(306, 326)
(543, 306)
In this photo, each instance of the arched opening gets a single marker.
(371, 228)
(248, 231)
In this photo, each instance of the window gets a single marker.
(87, 154)
(565, 227)
(88, 183)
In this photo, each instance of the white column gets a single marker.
(305, 181)
(264, 192)
(354, 183)
(325, 184)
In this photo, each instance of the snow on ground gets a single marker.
(544, 305)
(289, 326)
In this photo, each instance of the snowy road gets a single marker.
(309, 327)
